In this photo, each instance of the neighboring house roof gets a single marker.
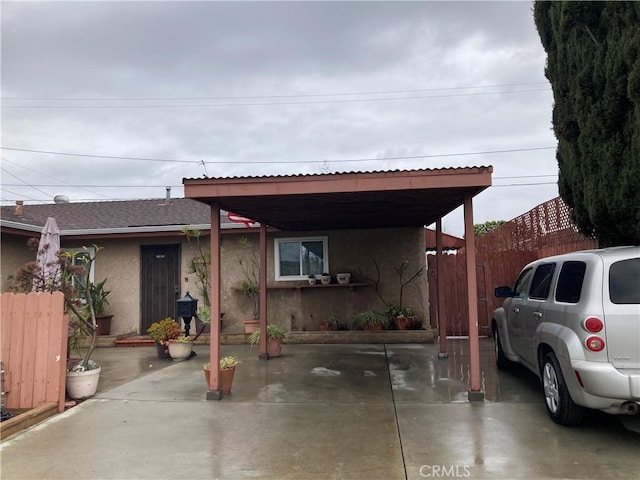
(113, 217)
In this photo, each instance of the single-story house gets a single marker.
(145, 254)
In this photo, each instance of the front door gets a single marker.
(160, 283)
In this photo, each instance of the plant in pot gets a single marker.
(325, 278)
(162, 332)
(99, 298)
(250, 286)
(227, 370)
(83, 377)
(332, 324)
(180, 347)
(312, 279)
(369, 320)
(275, 334)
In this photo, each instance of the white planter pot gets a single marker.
(180, 351)
(325, 279)
(343, 278)
(83, 384)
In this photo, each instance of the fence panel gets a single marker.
(34, 333)
(500, 254)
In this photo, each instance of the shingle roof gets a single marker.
(111, 215)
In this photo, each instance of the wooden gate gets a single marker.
(34, 332)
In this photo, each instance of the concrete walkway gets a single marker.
(318, 412)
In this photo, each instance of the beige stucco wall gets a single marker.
(13, 254)
(350, 251)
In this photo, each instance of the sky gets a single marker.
(118, 100)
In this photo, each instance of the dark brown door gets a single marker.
(160, 283)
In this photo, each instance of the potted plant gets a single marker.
(250, 286)
(163, 331)
(99, 298)
(332, 324)
(82, 377)
(227, 370)
(325, 278)
(180, 347)
(343, 278)
(369, 320)
(275, 334)
(312, 279)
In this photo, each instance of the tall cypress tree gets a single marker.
(593, 64)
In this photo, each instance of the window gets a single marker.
(80, 257)
(520, 290)
(297, 258)
(570, 282)
(541, 283)
(624, 282)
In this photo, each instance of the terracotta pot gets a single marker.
(250, 326)
(225, 379)
(274, 347)
(401, 323)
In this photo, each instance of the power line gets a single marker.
(266, 104)
(21, 180)
(253, 97)
(48, 176)
(199, 162)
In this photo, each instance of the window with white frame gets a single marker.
(80, 256)
(297, 258)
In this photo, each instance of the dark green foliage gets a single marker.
(593, 64)
(480, 229)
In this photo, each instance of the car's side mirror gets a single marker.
(503, 292)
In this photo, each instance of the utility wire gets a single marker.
(21, 180)
(266, 104)
(254, 97)
(48, 176)
(200, 162)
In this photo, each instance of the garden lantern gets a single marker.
(187, 308)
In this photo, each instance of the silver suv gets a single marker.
(574, 320)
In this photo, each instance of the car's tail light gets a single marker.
(595, 344)
(593, 324)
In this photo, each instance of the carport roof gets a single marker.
(398, 198)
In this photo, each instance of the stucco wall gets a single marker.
(13, 254)
(350, 251)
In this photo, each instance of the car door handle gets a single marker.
(516, 310)
(537, 315)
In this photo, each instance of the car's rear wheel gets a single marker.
(560, 406)
(502, 362)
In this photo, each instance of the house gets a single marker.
(145, 253)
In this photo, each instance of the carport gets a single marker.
(386, 199)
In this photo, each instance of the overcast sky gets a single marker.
(267, 88)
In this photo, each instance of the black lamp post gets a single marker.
(187, 308)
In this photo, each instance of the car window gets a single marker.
(520, 290)
(541, 283)
(624, 281)
(570, 282)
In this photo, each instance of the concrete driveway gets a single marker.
(318, 412)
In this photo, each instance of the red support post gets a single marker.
(442, 318)
(215, 392)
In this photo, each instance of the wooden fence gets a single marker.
(500, 255)
(33, 348)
